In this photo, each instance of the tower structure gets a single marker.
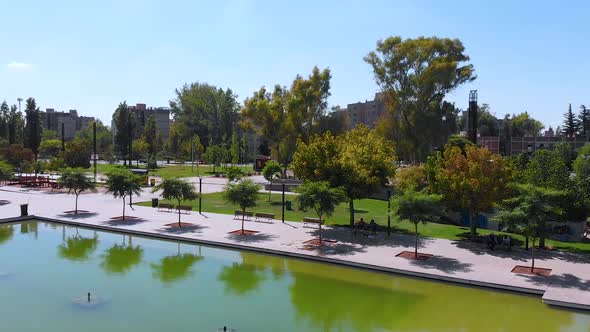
(472, 117)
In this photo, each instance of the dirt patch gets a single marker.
(246, 232)
(126, 218)
(538, 271)
(177, 225)
(412, 255)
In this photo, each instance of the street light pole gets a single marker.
(283, 215)
(200, 193)
(192, 155)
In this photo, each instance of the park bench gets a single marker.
(239, 214)
(261, 216)
(164, 206)
(311, 222)
(184, 208)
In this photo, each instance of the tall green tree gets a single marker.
(122, 183)
(215, 155)
(15, 126)
(6, 171)
(208, 111)
(320, 197)
(178, 190)
(104, 138)
(151, 137)
(271, 171)
(360, 161)
(581, 165)
(123, 120)
(4, 120)
(571, 126)
(415, 75)
(523, 125)
(78, 153)
(566, 151)
(76, 181)
(244, 194)
(528, 212)
(470, 181)
(50, 148)
(32, 126)
(416, 207)
(584, 121)
(235, 149)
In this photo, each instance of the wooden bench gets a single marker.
(261, 216)
(246, 215)
(167, 207)
(186, 208)
(310, 222)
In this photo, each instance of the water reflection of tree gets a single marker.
(6, 233)
(29, 227)
(242, 278)
(176, 267)
(121, 258)
(77, 247)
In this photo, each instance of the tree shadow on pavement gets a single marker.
(4, 202)
(368, 239)
(126, 222)
(480, 248)
(566, 280)
(441, 263)
(252, 238)
(183, 229)
(338, 248)
(80, 215)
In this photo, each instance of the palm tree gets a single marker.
(244, 194)
(416, 207)
(529, 210)
(321, 197)
(76, 181)
(176, 189)
(122, 182)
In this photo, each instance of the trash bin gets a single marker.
(152, 182)
(154, 202)
(24, 210)
(288, 205)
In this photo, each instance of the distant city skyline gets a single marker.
(91, 56)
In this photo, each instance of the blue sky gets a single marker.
(90, 55)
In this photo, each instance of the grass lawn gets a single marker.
(365, 208)
(171, 170)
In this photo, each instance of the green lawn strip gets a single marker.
(365, 208)
(170, 170)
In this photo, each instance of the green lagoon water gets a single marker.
(151, 285)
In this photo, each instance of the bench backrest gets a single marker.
(311, 220)
(165, 206)
(184, 207)
(239, 213)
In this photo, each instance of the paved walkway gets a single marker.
(456, 261)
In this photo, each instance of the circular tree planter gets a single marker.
(316, 242)
(538, 271)
(74, 212)
(412, 255)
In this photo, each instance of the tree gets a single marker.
(15, 126)
(528, 212)
(178, 190)
(140, 149)
(581, 165)
(6, 171)
(410, 177)
(77, 153)
(4, 120)
(32, 126)
(215, 154)
(571, 126)
(416, 207)
(321, 197)
(523, 124)
(566, 152)
(16, 154)
(360, 161)
(244, 194)
(471, 181)
(415, 75)
(122, 120)
(584, 121)
(104, 138)
(77, 182)
(121, 183)
(151, 137)
(271, 171)
(234, 173)
(235, 149)
(50, 148)
(486, 122)
(207, 111)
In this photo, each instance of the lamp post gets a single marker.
(200, 193)
(283, 206)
